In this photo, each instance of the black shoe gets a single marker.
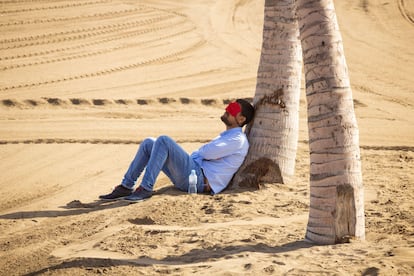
(139, 195)
(118, 193)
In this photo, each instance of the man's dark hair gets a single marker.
(247, 110)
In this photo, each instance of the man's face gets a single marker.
(229, 117)
(225, 119)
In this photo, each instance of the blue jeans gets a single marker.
(162, 154)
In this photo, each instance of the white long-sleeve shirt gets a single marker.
(222, 157)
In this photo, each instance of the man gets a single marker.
(214, 163)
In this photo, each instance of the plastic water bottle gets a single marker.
(192, 183)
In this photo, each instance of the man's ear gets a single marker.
(241, 119)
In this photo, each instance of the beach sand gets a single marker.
(82, 83)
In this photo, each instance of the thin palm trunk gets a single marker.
(336, 190)
(273, 134)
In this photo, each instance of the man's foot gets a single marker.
(139, 195)
(118, 193)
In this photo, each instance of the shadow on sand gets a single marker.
(73, 208)
(77, 207)
(192, 257)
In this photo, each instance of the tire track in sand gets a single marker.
(73, 5)
(174, 56)
(106, 15)
(101, 52)
(79, 33)
(405, 12)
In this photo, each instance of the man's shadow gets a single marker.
(76, 207)
(72, 208)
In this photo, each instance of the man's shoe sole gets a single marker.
(112, 199)
(134, 200)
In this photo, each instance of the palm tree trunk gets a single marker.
(273, 135)
(336, 189)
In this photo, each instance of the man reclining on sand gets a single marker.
(215, 163)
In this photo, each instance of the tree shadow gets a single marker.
(217, 252)
(192, 257)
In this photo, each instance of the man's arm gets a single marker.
(219, 148)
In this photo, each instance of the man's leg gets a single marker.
(178, 169)
(134, 171)
(167, 153)
(139, 163)
(169, 157)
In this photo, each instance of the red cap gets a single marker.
(233, 109)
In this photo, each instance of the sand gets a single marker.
(82, 83)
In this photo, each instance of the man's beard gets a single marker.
(225, 120)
